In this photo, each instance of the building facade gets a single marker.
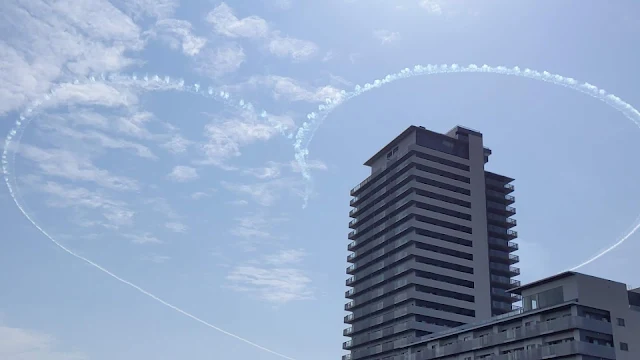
(431, 242)
(569, 316)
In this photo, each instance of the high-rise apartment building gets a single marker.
(431, 242)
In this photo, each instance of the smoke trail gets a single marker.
(150, 84)
(306, 132)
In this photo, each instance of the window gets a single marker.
(624, 346)
(467, 358)
(621, 322)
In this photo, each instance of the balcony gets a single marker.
(352, 245)
(352, 234)
(501, 220)
(351, 257)
(500, 197)
(353, 223)
(346, 357)
(502, 232)
(505, 296)
(504, 269)
(349, 305)
(353, 211)
(500, 209)
(498, 186)
(501, 244)
(349, 293)
(504, 282)
(349, 318)
(351, 269)
(347, 344)
(347, 331)
(503, 257)
(350, 280)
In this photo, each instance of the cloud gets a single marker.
(267, 192)
(238, 202)
(328, 56)
(285, 257)
(149, 8)
(225, 23)
(296, 49)
(24, 344)
(142, 239)
(73, 166)
(112, 213)
(178, 34)
(432, 6)
(256, 225)
(176, 227)
(161, 205)
(225, 136)
(155, 258)
(47, 40)
(291, 90)
(386, 36)
(183, 174)
(273, 169)
(222, 60)
(274, 285)
(199, 195)
(177, 144)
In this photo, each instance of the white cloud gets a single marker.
(177, 144)
(73, 166)
(238, 202)
(432, 6)
(199, 195)
(176, 227)
(272, 170)
(142, 239)
(266, 193)
(24, 344)
(222, 60)
(179, 34)
(112, 213)
(225, 136)
(274, 285)
(226, 23)
(155, 258)
(292, 90)
(386, 36)
(47, 40)
(256, 225)
(285, 257)
(149, 8)
(183, 174)
(296, 49)
(328, 56)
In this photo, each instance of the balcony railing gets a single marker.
(349, 305)
(347, 344)
(351, 256)
(346, 357)
(504, 268)
(351, 268)
(504, 280)
(499, 185)
(504, 294)
(350, 280)
(349, 292)
(347, 331)
(348, 318)
(503, 244)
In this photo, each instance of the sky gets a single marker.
(199, 201)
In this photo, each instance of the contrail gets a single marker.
(155, 83)
(307, 130)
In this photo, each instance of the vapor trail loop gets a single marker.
(307, 130)
(154, 83)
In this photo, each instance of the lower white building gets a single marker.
(568, 316)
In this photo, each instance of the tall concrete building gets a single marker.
(431, 245)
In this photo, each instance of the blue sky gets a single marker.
(200, 203)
